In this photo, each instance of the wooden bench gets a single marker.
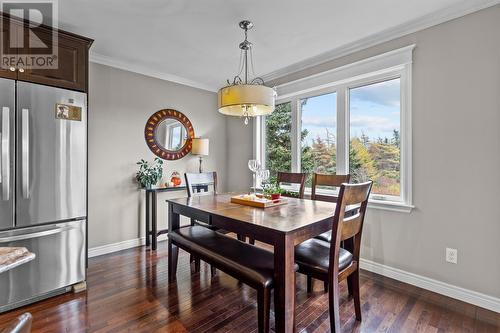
(249, 264)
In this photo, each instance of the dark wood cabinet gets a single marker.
(71, 71)
(8, 72)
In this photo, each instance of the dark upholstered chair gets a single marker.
(330, 181)
(22, 324)
(328, 261)
(249, 264)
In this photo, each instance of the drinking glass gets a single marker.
(254, 165)
(263, 175)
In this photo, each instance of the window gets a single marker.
(374, 147)
(354, 119)
(318, 133)
(278, 139)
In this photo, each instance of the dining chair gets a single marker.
(293, 178)
(318, 180)
(322, 180)
(22, 324)
(329, 261)
(198, 184)
(204, 183)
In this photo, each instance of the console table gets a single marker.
(152, 231)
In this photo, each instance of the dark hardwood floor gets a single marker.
(128, 291)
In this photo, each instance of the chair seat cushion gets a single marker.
(314, 254)
(326, 236)
(251, 264)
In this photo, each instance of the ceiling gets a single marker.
(196, 42)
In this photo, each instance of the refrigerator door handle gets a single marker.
(16, 238)
(25, 152)
(5, 168)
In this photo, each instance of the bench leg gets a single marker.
(309, 283)
(263, 308)
(173, 256)
(251, 241)
(197, 265)
(213, 270)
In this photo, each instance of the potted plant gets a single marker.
(149, 174)
(273, 190)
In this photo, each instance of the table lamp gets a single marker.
(200, 147)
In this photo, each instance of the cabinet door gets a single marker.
(71, 72)
(8, 34)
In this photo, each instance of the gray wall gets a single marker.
(456, 156)
(120, 103)
(240, 150)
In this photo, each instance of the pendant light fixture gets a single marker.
(244, 97)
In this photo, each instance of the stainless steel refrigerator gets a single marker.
(43, 189)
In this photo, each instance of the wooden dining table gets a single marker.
(282, 226)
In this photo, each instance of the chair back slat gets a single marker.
(198, 184)
(356, 194)
(319, 179)
(293, 178)
(327, 198)
(350, 228)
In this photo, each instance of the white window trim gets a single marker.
(386, 66)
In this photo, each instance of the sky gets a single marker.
(374, 111)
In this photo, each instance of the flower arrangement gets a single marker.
(273, 190)
(149, 174)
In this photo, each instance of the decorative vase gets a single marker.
(176, 178)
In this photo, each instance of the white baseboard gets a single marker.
(462, 294)
(115, 247)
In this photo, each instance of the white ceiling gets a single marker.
(196, 42)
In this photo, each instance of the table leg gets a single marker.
(148, 231)
(154, 227)
(173, 250)
(284, 294)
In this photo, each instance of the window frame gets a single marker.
(388, 66)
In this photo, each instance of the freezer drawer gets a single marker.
(59, 262)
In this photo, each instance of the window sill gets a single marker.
(392, 206)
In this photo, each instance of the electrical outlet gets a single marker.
(451, 255)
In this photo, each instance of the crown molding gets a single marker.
(144, 70)
(461, 9)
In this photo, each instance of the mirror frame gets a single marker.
(158, 149)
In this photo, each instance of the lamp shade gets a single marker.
(199, 146)
(246, 100)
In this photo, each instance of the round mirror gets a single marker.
(171, 134)
(168, 134)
